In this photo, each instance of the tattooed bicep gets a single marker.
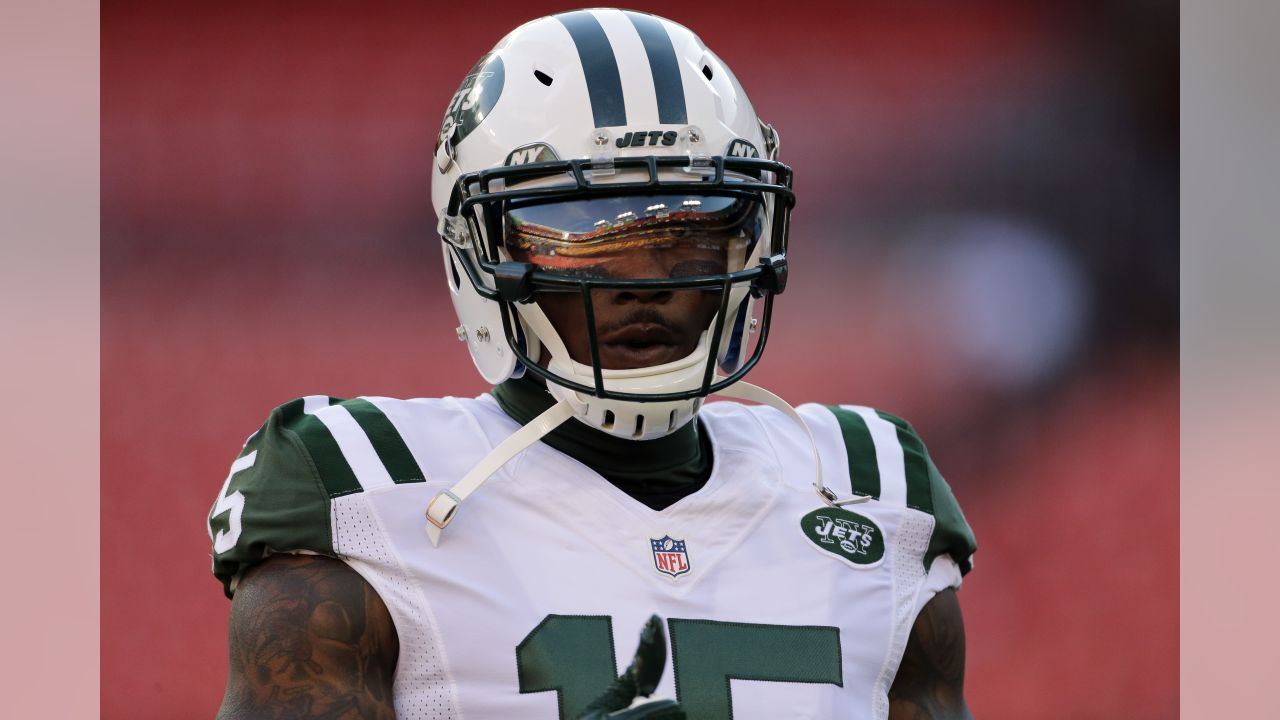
(930, 680)
(309, 638)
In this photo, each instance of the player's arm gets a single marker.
(930, 680)
(309, 638)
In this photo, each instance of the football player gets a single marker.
(614, 222)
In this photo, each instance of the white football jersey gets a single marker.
(776, 605)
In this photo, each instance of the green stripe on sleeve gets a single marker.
(335, 472)
(386, 440)
(864, 470)
(928, 491)
(916, 462)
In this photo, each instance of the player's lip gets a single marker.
(641, 334)
(627, 357)
(640, 344)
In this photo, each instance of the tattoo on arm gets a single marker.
(930, 680)
(309, 639)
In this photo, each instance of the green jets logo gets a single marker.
(849, 536)
(471, 104)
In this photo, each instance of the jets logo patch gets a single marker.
(853, 538)
(473, 101)
(670, 556)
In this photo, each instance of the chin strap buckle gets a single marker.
(442, 508)
(440, 512)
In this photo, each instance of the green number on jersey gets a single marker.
(570, 654)
(574, 656)
(707, 654)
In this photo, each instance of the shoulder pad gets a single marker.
(874, 440)
(272, 500)
(277, 496)
(354, 445)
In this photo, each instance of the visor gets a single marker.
(635, 236)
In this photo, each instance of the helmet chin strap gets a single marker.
(754, 393)
(444, 506)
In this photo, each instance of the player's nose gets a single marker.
(644, 265)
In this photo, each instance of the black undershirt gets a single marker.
(655, 472)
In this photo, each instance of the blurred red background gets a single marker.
(985, 242)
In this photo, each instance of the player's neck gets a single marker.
(656, 472)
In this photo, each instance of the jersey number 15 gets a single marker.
(573, 655)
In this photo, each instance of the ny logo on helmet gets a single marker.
(531, 153)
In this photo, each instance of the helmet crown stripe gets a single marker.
(599, 65)
(667, 84)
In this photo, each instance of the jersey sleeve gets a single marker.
(929, 492)
(273, 500)
(926, 490)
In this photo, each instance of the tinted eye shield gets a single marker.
(596, 221)
(475, 201)
(635, 236)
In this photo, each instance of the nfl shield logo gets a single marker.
(670, 556)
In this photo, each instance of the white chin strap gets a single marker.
(755, 393)
(444, 506)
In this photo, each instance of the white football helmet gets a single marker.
(582, 131)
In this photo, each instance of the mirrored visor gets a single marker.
(638, 236)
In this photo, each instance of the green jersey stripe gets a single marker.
(334, 470)
(916, 463)
(386, 440)
(356, 448)
(893, 480)
(864, 470)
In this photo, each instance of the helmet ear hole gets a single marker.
(543, 78)
(706, 71)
